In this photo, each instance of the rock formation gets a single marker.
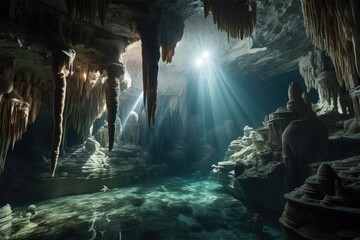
(253, 163)
(67, 57)
(7, 73)
(5, 221)
(275, 155)
(327, 205)
(277, 123)
(318, 72)
(236, 18)
(304, 139)
(19, 105)
(115, 76)
(87, 167)
(334, 26)
(62, 67)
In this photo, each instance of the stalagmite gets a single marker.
(277, 123)
(237, 18)
(304, 139)
(328, 87)
(62, 68)
(150, 38)
(115, 76)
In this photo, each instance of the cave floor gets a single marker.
(161, 209)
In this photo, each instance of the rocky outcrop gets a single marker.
(5, 221)
(277, 123)
(340, 39)
(318, 73)
(304, 139)
(272, 159)
(327, 205)
(251, 170)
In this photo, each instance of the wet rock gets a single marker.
(92, 145)
(327, 205)
(5, 221)
(31, 209)
(254, 168)
(86, 167)
(137, 202)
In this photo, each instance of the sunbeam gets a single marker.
(220, 99)
(135, 108)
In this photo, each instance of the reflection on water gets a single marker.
(163, 209)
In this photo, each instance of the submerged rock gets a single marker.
(87, 168)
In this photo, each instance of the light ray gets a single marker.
(220, 99)
(135, 108)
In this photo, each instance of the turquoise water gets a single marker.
(163, 209)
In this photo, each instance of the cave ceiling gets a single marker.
(67, 53)
(277, 42)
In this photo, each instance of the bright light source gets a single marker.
(205, 56)
(199, 61)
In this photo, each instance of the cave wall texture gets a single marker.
(66, 59)
(123, 72)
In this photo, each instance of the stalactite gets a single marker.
(85, 88)
(18, 7)
(20, 105)
(150, 44)
(318, 73)
(307, 70)
(7, 72)
(103, 5)
(35, 104)
(172, 27)
(77, 111)
(62, 66)
(87, 9)
(14, 112)
(335, 27)
(115, 76)
(237, 18)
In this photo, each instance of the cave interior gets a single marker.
(180, 119)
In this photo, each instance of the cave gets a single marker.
(179, 119)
